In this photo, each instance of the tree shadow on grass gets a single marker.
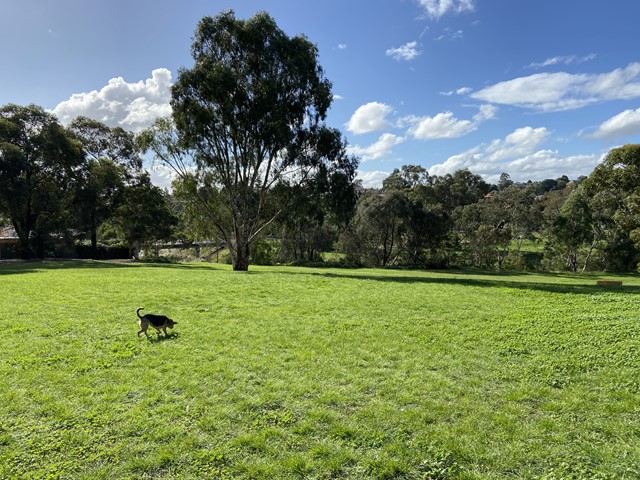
(493, 280)
(445, 277)
(14, 267)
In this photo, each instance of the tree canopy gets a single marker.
(252, 110)
(40, 164)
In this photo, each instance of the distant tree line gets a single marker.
(84, 185)
(460, 221)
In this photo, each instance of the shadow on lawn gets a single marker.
(487, 279)
(163, 338)
(490, 282)
(28, 266)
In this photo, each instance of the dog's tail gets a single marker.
(138, 312)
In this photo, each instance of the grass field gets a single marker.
(310, 373)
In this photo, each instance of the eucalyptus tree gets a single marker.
(379, 228)
(40, 164)
(251, 111)
(318, 212)
(143, 216)
(572, 230)
(112, 160)
(613, 190)
(426, 221)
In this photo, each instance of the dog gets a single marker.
(159, 322)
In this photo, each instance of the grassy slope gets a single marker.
(302, 373)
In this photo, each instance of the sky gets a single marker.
(536, 89)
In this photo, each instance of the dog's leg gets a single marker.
(143, 330)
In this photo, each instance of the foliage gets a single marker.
(614, 189)
(252, 109)
(143, 216)
(112, 160)
(39, 172)
(379, 226)
(368, 374)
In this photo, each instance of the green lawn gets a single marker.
(309, 373)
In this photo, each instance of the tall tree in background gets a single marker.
(40, 164)
(614, 196)
(252, 110)
(572, 230)
(113, 158)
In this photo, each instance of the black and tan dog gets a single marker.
(159, 322)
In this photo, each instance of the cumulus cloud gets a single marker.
(438, 8)
(406, 52)
(132, 106)
(370, 117)
(162, 176)
(487, 112)
(380, 149)
(563, 91)
(372, 179)
(520, 143)
(621, 125)
(445, 125)
(442, 125)
(522, 155)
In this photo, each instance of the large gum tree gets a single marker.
(251, 111)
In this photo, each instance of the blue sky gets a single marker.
(537, 89)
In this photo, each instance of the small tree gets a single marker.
(572, 229)
(379, 226)
(143, 216)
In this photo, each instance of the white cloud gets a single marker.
(564, 91)
(459, 91)
(372, 179)
(522, 155)
(380, 149)
(565, 60)
(370, 117)
(437, 8)
(342, 46)
(449, 34)
(487, 112)
(443, 125)
(520, 143)
(621, 125)
(407, 52)
(132, 106)
(162, 176)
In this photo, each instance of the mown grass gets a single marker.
(309, 373)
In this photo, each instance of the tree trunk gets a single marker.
(94, 235)
(241, 257)
(24, 245)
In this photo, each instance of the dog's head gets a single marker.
(171, 323)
